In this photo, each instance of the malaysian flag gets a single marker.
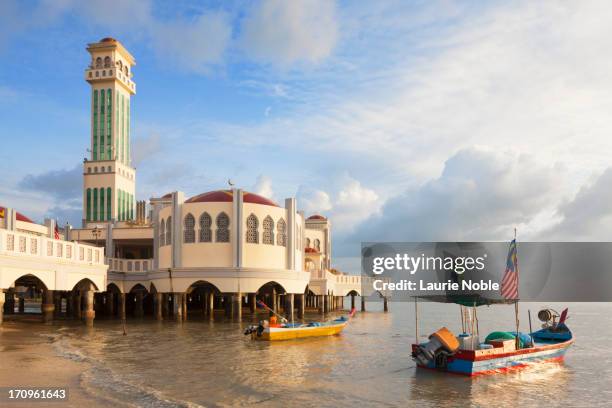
(510, 282)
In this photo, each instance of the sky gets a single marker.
(399, 120)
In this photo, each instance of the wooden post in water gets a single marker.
(363, 308)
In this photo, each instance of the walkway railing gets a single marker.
(129, 265)
(28, 245)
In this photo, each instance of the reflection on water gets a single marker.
(213, 364)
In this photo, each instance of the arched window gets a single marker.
(162, 233)
(107, 62)
(120, 65)
(223, 234)
(125, 70)
(307, 242)
(205, 228)
(281, 233)
(189, 233)
(317, 245)
(169, 231)
(268, 231)
(99, 62)
(252, 235)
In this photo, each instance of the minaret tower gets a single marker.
(109, 180)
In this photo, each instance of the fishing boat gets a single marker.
(501, 351)
(268, 330)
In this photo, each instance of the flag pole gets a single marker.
(516, 306)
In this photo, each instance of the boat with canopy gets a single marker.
(501, 351)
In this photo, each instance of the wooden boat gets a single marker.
(291, 331)
(501, 351)
(499, 355)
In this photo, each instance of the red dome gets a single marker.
(108, 39)
(309, 250)
(226, 196)
(19, 216)
(317, 217)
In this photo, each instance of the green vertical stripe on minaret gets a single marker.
(95, 204)
(102, 204)
(116, 128)
(102, 120)
(88, 215)
(109, 128)
(122, 129)
(109, 204)
(127, 133)
(94, 150)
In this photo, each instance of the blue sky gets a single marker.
(400, 120)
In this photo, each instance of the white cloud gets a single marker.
(263, 187)
(480, 195)
(285, 32)
(313, 201)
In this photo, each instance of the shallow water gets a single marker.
(213, 364)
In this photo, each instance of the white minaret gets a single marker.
(109, 185)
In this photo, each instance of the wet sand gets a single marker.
(28, 359)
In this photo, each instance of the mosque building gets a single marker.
(217, 252)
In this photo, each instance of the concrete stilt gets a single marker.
(352, 301)
(177, 306)
(21, 304)
(110, 304)
(290, 306)
(10, 301)
(78, 312)
(138, 305)
(363, 308)
(69, 304)
(57, 301)
(184, 299)
(158, 303)
(253, 303)
(88, 312)
(385, 304)
(165, 305)
(211, 306)
(2, 297)
(301, 299)
(325, 305)
(47, 306)
(237, 305)
(122, 315)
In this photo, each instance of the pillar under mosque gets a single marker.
(237, 306)
(301, 299)
(210, 301)
(289, 306)
(138, 305)
(110, 304)
(158, 304)
(184, 305)
(253, 303)
(2, 297)
(57, 301)
(78, 311)
(47, 306)
(21, 304)
(352, 301)
(10, 301)
(122, 314)
(88, 310)
(385, 304)
(177, 306)
(363, 308)
(165, 305)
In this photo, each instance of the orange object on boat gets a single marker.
(273, 320)
(447, 339)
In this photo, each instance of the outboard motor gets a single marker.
(441, 344)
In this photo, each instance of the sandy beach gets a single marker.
(30, 360)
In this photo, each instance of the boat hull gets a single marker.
(280, 333)
(470, 363)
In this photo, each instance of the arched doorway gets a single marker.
(203, 296)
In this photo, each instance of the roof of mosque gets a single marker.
(19, 216)
(316, 217)
(227, 196)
